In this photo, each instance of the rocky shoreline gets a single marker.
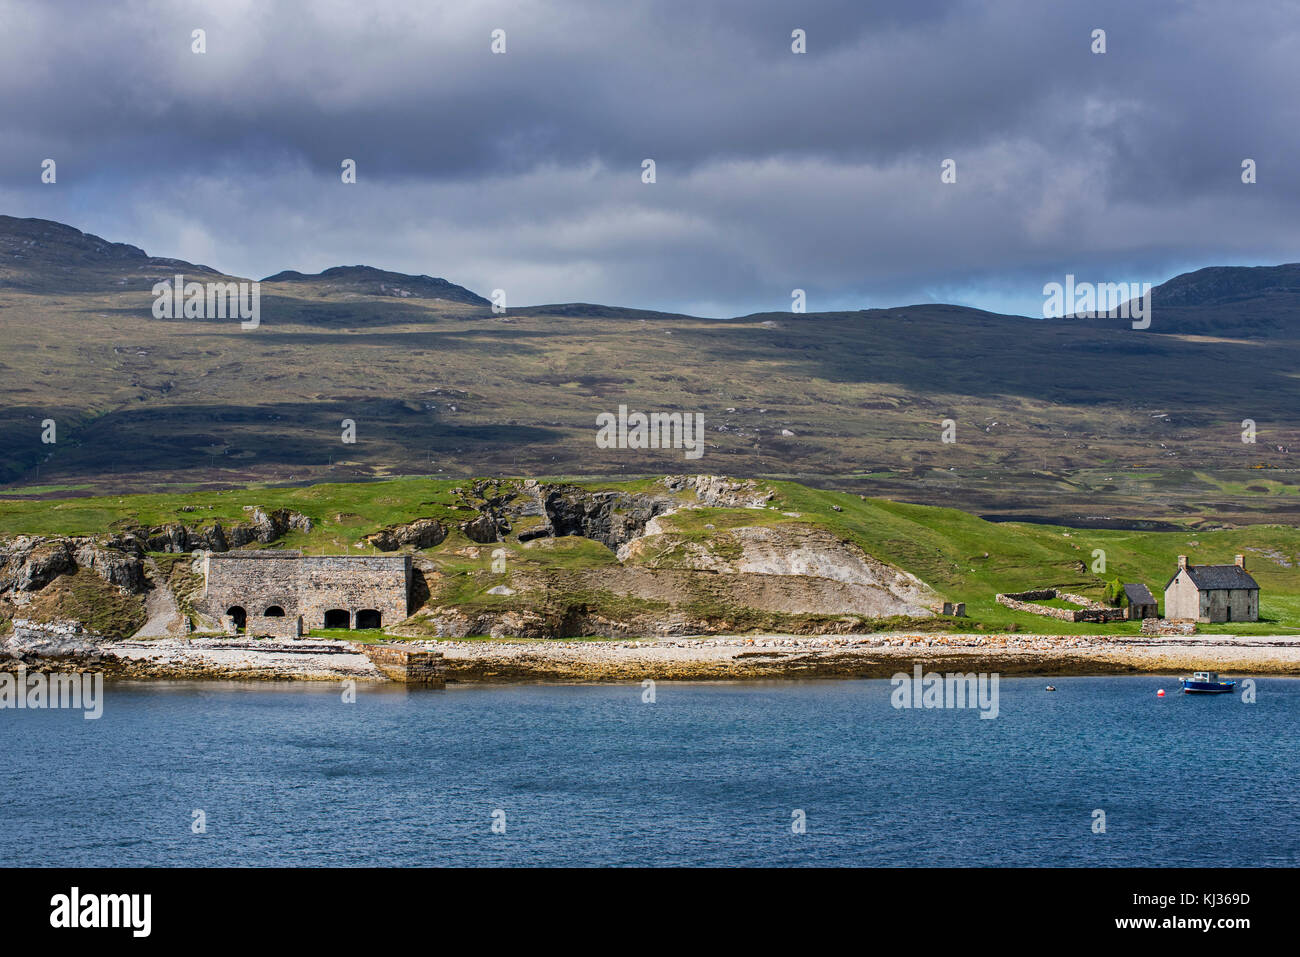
(68, 648)
(864, 656)
(728, 658)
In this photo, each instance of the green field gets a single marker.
(963, 557)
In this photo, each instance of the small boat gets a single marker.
(1051, 687)
(1206, 682)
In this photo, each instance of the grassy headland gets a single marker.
(961, 556)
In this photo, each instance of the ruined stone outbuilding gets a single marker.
(285, 593)
(1141, 603)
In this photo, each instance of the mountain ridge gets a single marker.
(1085, 422)
(1208, 286)
(369, 280)
(1219, 285)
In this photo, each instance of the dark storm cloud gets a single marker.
(775, 170)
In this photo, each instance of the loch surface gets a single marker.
(290, 774)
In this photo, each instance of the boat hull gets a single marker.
(1208, 687)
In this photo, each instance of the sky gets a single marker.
(774, 170)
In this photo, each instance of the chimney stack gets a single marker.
(1182, 561)
(1241, 561)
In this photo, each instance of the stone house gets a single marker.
(1212, 593)
(284, 593)
(1141, 603)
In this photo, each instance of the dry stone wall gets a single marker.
(1091, 610)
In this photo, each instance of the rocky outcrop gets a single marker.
(787, 568)
(541, 624)
(118, 565)
(802, 553)
(614, 518)
(34, 642)
(28, 564)
(610, 517)
(31, 564)
(265, 527)
(791, 577)
(421, 533)
(483, 529)
(96, 581)
(715, 491)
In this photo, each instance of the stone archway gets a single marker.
(238, 613)
(368, 618)
(338, 618)
(275, 611)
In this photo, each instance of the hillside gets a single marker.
(1252, 303)
(1075, 422)
(368, 281)
(677, 555)
(44, 257)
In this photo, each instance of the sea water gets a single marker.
(1099, 772)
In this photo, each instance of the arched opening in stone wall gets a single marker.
(368, 618)
(275, 611)
(237, 612)
(338, 618)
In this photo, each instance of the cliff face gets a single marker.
(665, 571)
(28, 565)
(110, 584)
(100, 583)
(817, 571)
(684, 555)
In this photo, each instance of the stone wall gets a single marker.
(1091, 610)
(272, 626)
(1037, 594)
(1182, 598)
(410, 665)
(1101, 614)
(305, 586)
(1235, 604)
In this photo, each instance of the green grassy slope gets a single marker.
(962, 556)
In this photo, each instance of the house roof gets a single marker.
(1216, 577)
(1139, 595)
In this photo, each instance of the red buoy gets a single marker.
(1160, 693)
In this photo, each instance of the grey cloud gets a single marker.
(775, 170)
